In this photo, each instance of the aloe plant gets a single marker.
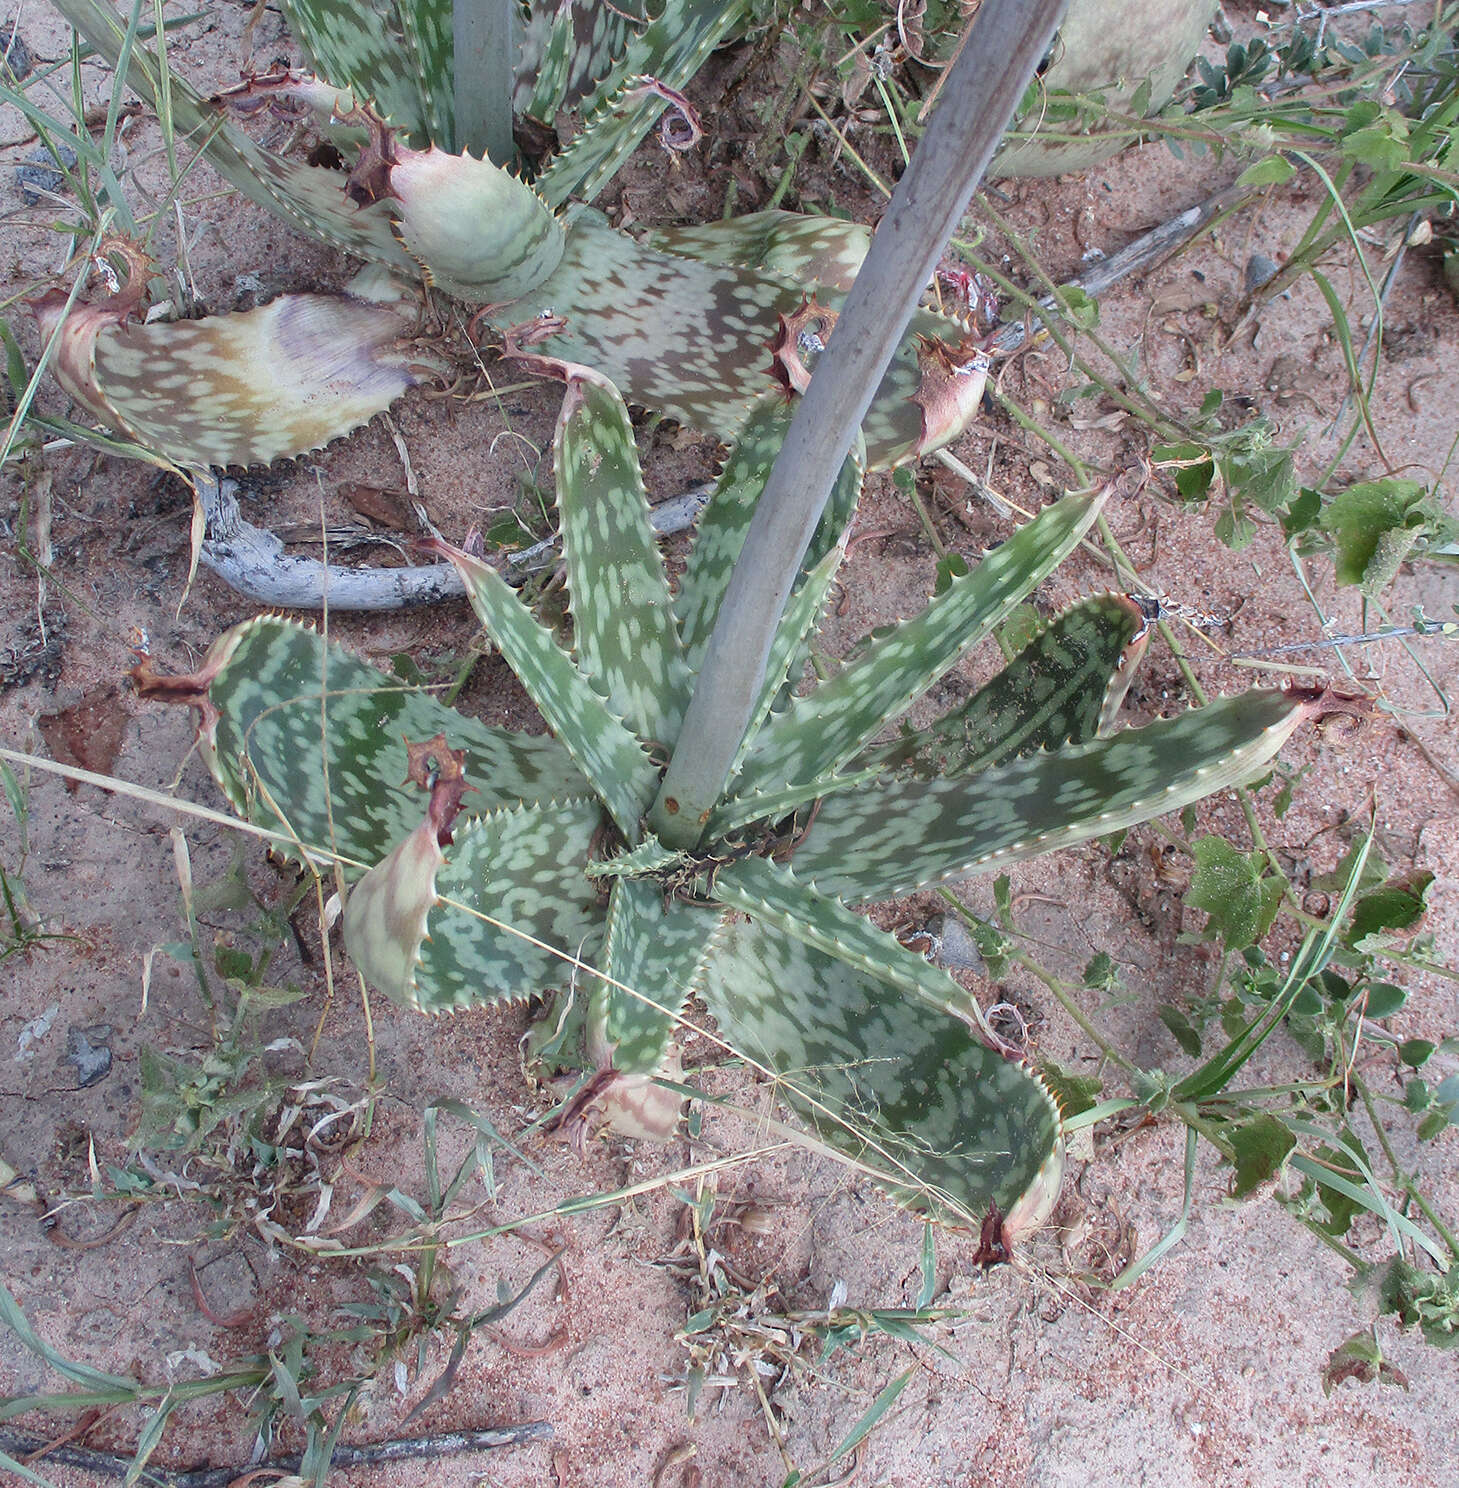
(678, 320)
(509, 866)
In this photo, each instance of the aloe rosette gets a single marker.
(679, 321)
(508, 866)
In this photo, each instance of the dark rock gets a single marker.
(41, 173)
(17, 61)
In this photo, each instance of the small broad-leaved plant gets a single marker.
(678, 319)
(509, 865)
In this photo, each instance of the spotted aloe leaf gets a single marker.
(396, 53)
(689, 337)
(896, 836)
(719, 532)
(653, 65)
(769, 892)
(623, 621)
(512, 907)
(567, 49)
(308, 197)
(595, 736)
(1064, 687)
(479, 912)
(305, 738)
(942, 1121)
(818, 733)
(815, 252)
(237, 389)
(720, 535)
(656, 947)
(473, 229)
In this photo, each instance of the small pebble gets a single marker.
(1260, 270)
(41, 173)
(956, 949)
(87, 1050)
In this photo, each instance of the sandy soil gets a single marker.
(1206, 1372)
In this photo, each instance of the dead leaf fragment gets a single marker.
(89, 733)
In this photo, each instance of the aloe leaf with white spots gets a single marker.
(507, 903)
(542, 878)
(1064, 687)
(622, 107)
(280, 380)
(623, 622)
(595, 736)
(304, 737)
(308, 197)
(654, 960)
(897, 836)
(817, 252)
(818, 733)
(397, 53)
(769, 892)
(946, 1124)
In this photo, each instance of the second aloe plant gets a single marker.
(510, 866)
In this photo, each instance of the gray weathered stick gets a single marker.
(253, 561)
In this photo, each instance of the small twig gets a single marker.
(449, 1444)
(1145, 253)
(1387, 633)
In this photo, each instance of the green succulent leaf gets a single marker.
(789, 648)
(475, 230)
(819, 733)
(397, 54)
(719, 533)
(896, 836)
(772, 895)
(567, 50)
(689, 337)
(621, 110)
(1064, 687)
(940, 1120)
(623, 621)
(650, 857)
(656, 946)
(594, 735)
(241, 389)
(814, 252)
(307, 197)
(525, 870)
(309, 739)
(510, 904)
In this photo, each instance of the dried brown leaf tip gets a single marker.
(124, 268)
(797, 344)
(953, 379)
(369, 181)
(518, 340)
(435, 766)
(291, 96)
(190, 688)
